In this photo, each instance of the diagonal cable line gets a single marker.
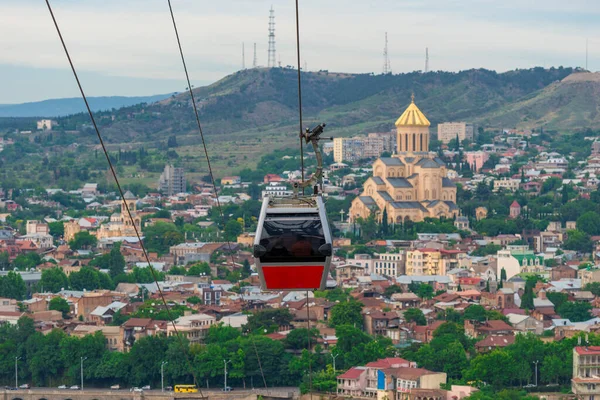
(114, 174)
(212, 177)
(189, 86)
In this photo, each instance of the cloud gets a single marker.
(135, 38)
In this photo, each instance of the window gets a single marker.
(282, 234)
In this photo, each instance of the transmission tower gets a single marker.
(426, 59)
(272, 57)
(243, 57)
(387, 69)
(254, 60)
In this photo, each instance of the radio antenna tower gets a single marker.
(243, 57)
(254, 60)
(387, 69)
(272, 57)
(586, 55)
(426, 59)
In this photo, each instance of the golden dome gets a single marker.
(412, 116)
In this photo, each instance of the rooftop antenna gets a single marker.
(271, 62)
(243, 57)
(279, 62)
(387, 69)
(426, 59)
(254, 60)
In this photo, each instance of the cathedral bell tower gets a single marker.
(412, 130)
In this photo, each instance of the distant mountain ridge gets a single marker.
(53, 108)
(265, 101)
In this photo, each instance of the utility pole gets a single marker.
(586, 54)
(82, 360)
(17, 371)
(536, 363)
(254, 60)
(225, 366)
(426, 59)
(334, 357)
(162, 376)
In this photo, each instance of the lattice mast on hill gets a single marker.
(272, 61)
(243, 57)
(426, 59)
(387, 68)
(254, 60)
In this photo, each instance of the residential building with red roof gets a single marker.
(585, 383)
(493, 342)
(352, 382)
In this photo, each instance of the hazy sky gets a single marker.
(127, 47)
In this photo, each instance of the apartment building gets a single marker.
(353, 149)
(508, 184)
(172, 181)
(451, 130)
(431, 261)
(390, 264)
(193, 326)
(585, 383)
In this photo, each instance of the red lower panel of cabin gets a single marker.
(296, 277)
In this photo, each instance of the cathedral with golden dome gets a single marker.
(411, 185)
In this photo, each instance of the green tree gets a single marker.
(60, 304)
(116, 261)
(390, 290)
(578, 241)
(26, 261)
(269, 319)
(424, 291)
(232, 230)
(194, 300)
(12, 286)
(384, 223)
(589, 222)
(496, 368)
(86, 278)
(346, 313)
(298, 338)
(557, 298)
(593, 287)
(83, 240)
(57, 229)
(475, 312)
(160, 236)
(575, 311)
(53, 280)
(415, 315)
(551, 368)
(199, 269)
(222, 334)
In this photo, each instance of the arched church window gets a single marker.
(434, 194)
(421, 142)
(414, 141)
(426, 194)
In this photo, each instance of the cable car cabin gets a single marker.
(293, 247)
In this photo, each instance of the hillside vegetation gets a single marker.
(572, 103)
(261, 101)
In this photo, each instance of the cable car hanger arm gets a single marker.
(313, 136)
